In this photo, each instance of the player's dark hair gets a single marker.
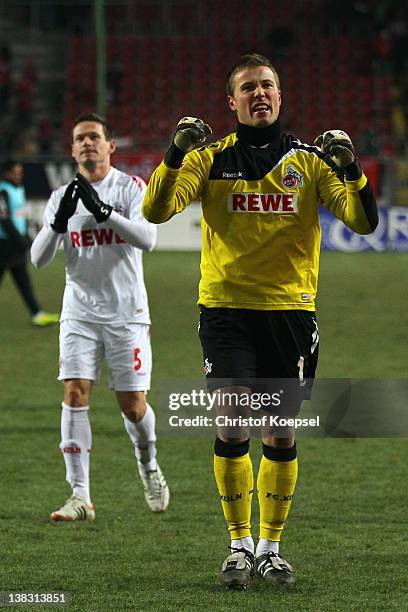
(250, 59)
(8, 165)
(107, 129)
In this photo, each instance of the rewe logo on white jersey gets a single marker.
(95, 237)
(285, 203)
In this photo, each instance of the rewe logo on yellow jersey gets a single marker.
(284, 203)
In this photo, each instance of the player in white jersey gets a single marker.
(105, 314)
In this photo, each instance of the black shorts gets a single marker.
(251, 347)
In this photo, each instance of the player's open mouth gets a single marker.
(259, 108)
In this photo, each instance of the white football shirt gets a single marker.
(104, 273)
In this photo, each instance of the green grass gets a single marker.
(346, 533)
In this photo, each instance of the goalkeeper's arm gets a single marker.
(357, 208)
(180, 178)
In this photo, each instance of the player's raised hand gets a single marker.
(338, 145)
(66, 208)
(91, 200)
(190, 132)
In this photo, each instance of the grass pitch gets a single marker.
(346, 533)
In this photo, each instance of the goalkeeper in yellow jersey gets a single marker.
(260, 191)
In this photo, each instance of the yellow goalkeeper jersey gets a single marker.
(260, 221)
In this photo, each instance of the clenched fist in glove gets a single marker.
(66, 208)
(91, 201)
(189, 133)
(338, 145)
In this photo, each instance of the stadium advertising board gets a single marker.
(390, 235)
(183, 232)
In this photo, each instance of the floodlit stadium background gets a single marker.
(342, 65)
(145, 64)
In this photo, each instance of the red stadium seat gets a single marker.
(183, 71)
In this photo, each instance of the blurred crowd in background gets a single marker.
(342, 65)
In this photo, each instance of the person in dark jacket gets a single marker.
(14, 240)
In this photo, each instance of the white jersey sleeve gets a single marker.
(135, 229)
(46, 243)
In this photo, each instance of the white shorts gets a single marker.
(127, 349)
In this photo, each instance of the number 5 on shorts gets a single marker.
(136, 359)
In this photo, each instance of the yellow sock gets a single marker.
(276, 485)
(235, 482)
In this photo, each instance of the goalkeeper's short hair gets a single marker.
(250, 59)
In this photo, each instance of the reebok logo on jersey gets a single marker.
(232, 175)
(285, 203)
(92, 237)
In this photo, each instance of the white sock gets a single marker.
(246, 543)
(265, 546)
(143, 436)
(76, 442)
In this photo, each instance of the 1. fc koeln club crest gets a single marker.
(207, 366)
(292, 178)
